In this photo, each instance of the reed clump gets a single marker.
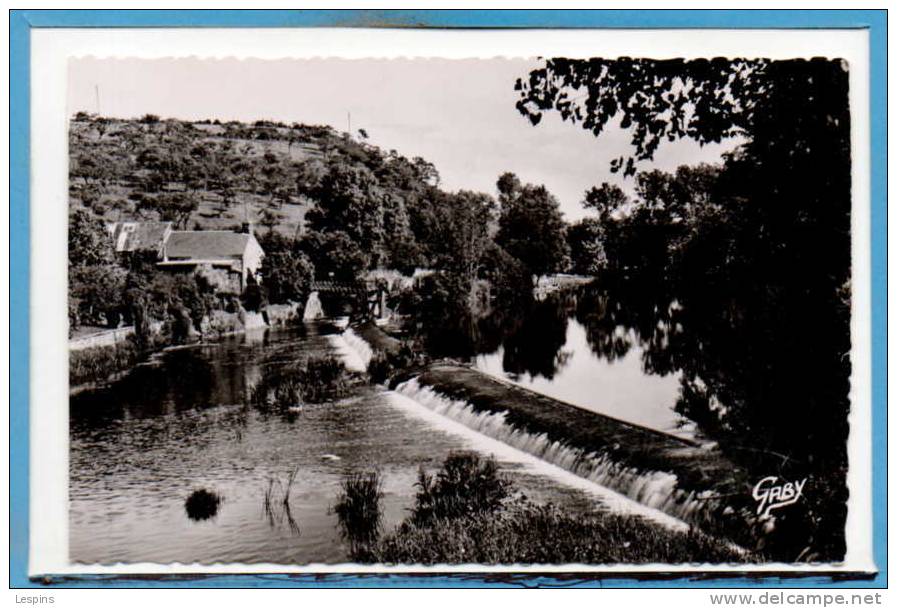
(311, 380)
(465, 485)
(358, 510)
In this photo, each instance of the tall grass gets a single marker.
(358, 510)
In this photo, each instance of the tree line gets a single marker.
(737, 274)
(362, 208)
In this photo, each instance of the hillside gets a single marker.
(207, 175)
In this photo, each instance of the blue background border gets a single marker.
(21, 23)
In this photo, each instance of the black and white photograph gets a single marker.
(428, 311)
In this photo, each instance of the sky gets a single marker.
(457, 114)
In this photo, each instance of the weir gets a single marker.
(689, 482)
(692, 483)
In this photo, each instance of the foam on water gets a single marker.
(359, 346)
(655, 490)
(652, 494)
(355, 356)
(407, 397)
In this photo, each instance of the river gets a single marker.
(182, 421)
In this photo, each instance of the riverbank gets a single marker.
(525, 533)
(116, 352)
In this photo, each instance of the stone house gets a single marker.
(227, 259)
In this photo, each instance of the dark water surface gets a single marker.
(181, 422)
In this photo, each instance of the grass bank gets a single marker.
(525, 533)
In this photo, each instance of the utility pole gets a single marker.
(96, 90)
(349, 119)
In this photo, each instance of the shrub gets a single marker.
(466, 485)
(385, 364)
(544, 534)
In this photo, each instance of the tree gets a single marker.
(462, 233)
(97, 290)
(794, 167)
(95, 280)
(531, 227)
(605, 199)
(586, 241)
(287, 276)
(176, 207)
(755, 253)
(335, 255)
(309, 175)
(89, 242)
(349, 200)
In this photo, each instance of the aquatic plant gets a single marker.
(358, 509)
(279, 511)
(202, 504)
(313, 380)
(465, 485)
(324, 379)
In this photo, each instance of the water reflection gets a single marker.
(740, 370)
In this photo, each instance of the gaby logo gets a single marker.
(771, 496)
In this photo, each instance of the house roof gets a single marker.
(205, 244)
(139, 236)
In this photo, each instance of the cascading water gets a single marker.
(358, 345)
(605, 498)
(654, 489)
(313, 309)
(354, 352)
